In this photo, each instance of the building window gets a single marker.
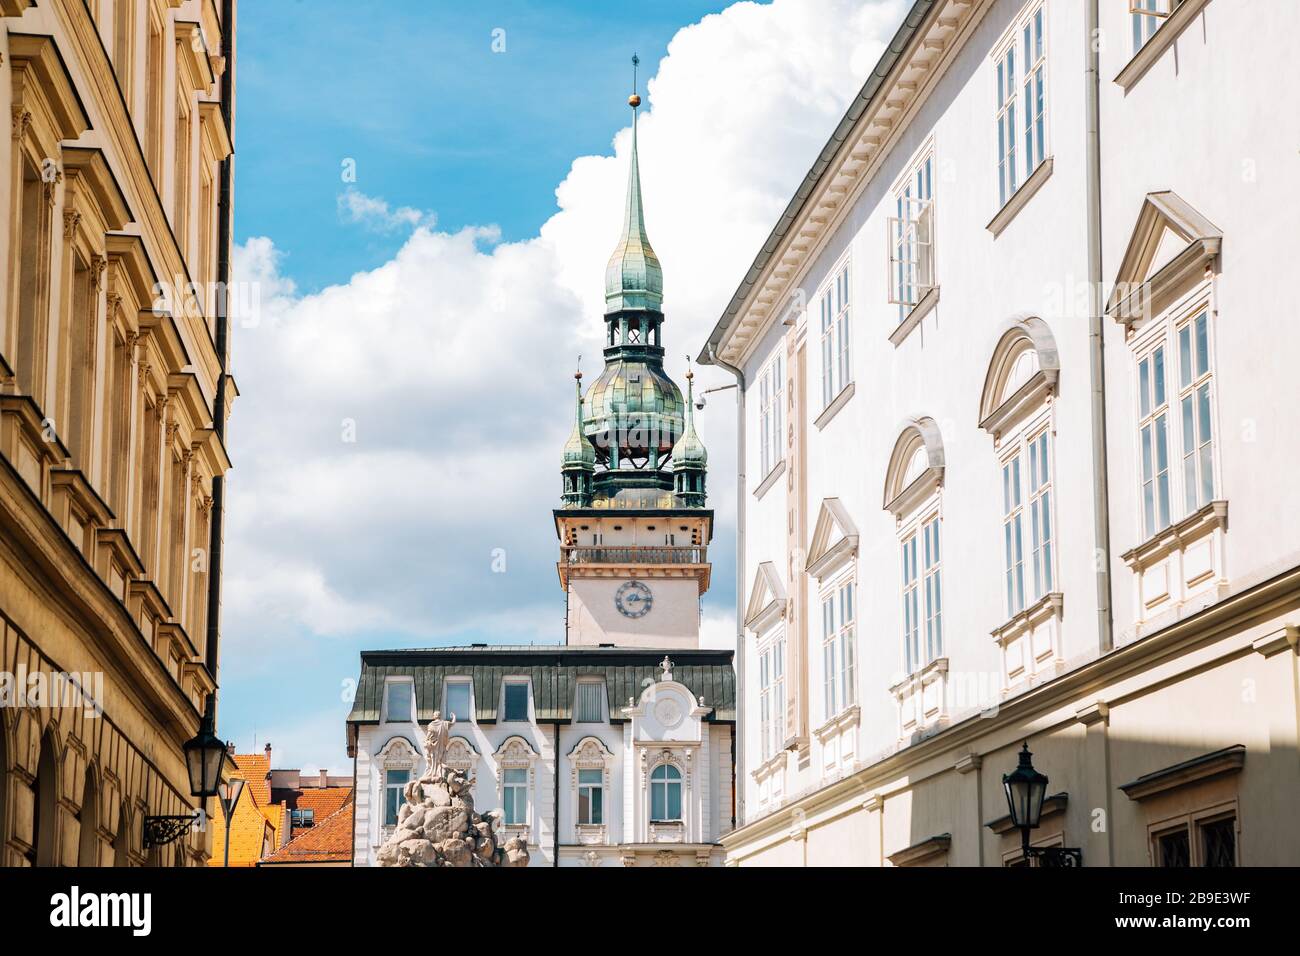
(922, 596)
(399, 701)
(457, 700)
(1199, 843)
(1194, 407)
(1146, 17)
(516, 701)
(1013, 535)
(837, 372)
(591, 796)
(911, 237)
(591, 702)
(1027, 523)
(771, 382)
(838, 652)
(665, 794)
(394, 782)
(1021, 101)
(515, 792)
(303, 817)
(1189, 429)
(771, 695)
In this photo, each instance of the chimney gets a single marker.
(324, 778)
(230, 747)
(268, 752)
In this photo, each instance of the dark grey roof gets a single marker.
(919, 11)
(553, 671)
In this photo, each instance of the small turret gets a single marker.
(578, 465)
(690, 458)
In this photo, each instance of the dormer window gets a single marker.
(399, 700)
(591, 702)
(516, 701)
(456, 700)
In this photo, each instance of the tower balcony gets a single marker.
(635, 560)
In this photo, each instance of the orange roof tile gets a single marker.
(329, 841)
(256, 822)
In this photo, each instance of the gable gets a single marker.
(834, 539)
(1170, 246)
(767, 598)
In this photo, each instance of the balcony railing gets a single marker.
(655, 554)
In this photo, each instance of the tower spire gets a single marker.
(634, 278)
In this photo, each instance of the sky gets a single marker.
(424, 205)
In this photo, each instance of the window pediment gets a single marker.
(834, 540)
(1170, 246)
(767, 599)
(1023, 373)
(915, 468)
(515, 752)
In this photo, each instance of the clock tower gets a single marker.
(634, 530)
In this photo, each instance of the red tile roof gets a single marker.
(329, 841)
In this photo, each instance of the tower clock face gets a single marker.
(633, 599)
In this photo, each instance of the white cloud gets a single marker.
(449, 365)
(375, 213)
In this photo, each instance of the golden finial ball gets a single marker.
(634, 100)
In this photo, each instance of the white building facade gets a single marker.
(1008, 364)
(596, 756)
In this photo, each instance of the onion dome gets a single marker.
(690, 458)
(579, 460)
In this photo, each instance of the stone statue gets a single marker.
(437, 824)
(436, 738)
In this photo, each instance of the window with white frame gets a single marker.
(1146, 16)
(771, 694)
(515, 699)
(839, 690)
(591, 702)
(394, 782)
(456, 700)
(837, 371)
(399, 700)
(514, 790)
(665, 794)
(591, 797)
(1027, 521)
(922, 595)
(1170, 493)
(771, 389)
(911, 236)
(1021, 76)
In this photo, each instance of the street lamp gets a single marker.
(1025, 788)
(205, 756)
(228, 793)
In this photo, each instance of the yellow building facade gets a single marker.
(114, 201)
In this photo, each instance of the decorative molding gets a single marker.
(1000, 412)
(923, 852)
(902, 499)
(1209, 518)
(968, 763)
(915, 316)
(1054, 804)
(1160, 41)
(1020, 197)
(1214, 764)
(846, 719)
(833, 409)
(767, 599)
(1097, 712)
(1050, 605)
(827, 555)
(777, 471)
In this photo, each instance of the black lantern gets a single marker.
(205, 756)
(1026, 789)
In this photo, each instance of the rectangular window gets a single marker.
(1013, 535)
(765, 703)
(1040, 514)
(591, 702)
(1218, 844)
(516, 701)
(303, 817)
(837, 368)
(848, 652)
(829, 673)
(911, 245)
(1033, 98)
(457, 702)
(771, 382)
(1194, 404)
(1020, 73)
(1006, 117)
(399, 701)
(591, 796)
(911, 606)
(1153, 436)
(933, 591)
(771, 696)
(394, 781)
(515, 796)
(838, 651)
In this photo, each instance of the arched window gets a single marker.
(665, 794)
(122, 841)
(88, 844)
(44, 793)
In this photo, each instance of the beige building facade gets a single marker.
(115, 207)
(1017, 427)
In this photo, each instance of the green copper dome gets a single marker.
(633, 278)
(689, 450)
(578, 451)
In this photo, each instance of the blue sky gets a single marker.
(429, 112)
(405, 375)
